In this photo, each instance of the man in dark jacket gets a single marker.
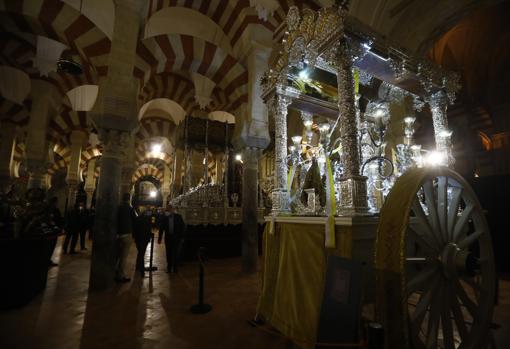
(57, 220)
(126, 220)
(173, 228)
(143, 234)
(76, 226)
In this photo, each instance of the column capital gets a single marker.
(78, 137)
(115, 143)
(251, 157)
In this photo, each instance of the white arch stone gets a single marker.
(222, 116)
(172, 110)
(100, 12)
(180, 20)
(83, 98)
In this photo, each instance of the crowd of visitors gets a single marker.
(36, 216)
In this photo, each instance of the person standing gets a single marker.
(172, 227)
(58, 222)
(143, 234)
(126, 220)
(75, 227)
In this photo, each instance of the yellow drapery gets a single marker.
(293, 277)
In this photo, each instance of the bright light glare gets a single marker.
(152, 194)
(303, 74)
(239, 157)
(445, 133)
(434, 158)
(324, 127)
(308, 123)
(296, 140)
(409, 119)
(156, 148)
(378, 113)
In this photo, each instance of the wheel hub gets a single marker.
(456, 261)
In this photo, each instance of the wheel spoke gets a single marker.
(461, 222)
(453, 210)
(468, 240)
(446, 321)
(458, 316)
(442, 206)
(422, 226)
(428, 188)
(477, 288)
(466, 301)
(422, 236)
(419, 279)
(433, 321)
(421, 307)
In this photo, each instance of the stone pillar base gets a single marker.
(353, 197)
(281, 200)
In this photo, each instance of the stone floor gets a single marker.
(152, 312)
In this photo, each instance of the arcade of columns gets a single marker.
(115, 118)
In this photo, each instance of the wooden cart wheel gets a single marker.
(435, 264)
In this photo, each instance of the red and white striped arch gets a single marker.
(169, 85)
(175, 52)
(181, 90)
(147, 171)
(59, 164)
(58, 21)
(153, 128)
(65, 122)
(233, 17)
(90, 152)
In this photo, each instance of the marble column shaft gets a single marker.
(90, 182)
(280, 194)
(107, 201)
(250, 209)
(78, 138)
(7, 144)
(165, 187)
(353, 186)
(438, 103)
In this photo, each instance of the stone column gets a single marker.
(77, 139)
(353, 187)
(107, 200)
(115, 115)
(177, 173)
(219, 167)
(37, 173)
(250, 209)
(165, 187)
(438, 103)
(187, 159)
(280, 194)
(38, 154)
(206, 153)
(7, 144)
(225, 172)
(90, 182)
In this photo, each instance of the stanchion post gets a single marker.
(375, 336)
(151, 267)
(201, 307)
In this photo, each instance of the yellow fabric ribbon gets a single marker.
(289, 178)
(356, 81)
(330, 241)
